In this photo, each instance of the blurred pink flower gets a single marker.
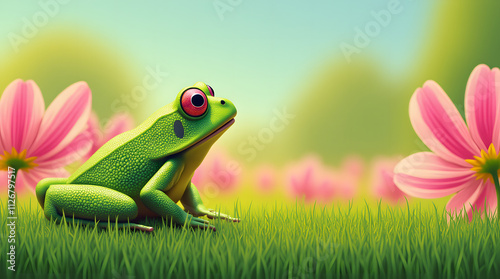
(219, 171)
(265, 176)
(117, 124)
(382, 181)
(305, 177)
(353, 166)
(311, 180)
(41, 143)
(350, 176)
(464, 158)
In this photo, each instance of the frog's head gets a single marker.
(196, 117)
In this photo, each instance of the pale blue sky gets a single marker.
(256, 55)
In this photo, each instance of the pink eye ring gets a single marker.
(212, 92)
(194, 102)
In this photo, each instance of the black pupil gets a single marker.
(197, 100)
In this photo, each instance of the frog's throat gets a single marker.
(219, 130)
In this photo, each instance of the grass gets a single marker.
(279, 241)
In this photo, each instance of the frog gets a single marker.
(147, 171)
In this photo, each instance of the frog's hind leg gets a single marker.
(85, 204)
(44, 185)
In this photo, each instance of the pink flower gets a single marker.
(464, 159)
(382, 185)
(305, 177)
(350, 176)
(217, 174)
(353, 166)
(265, 177)
(117, 124)
(40, 143)
(311, 180)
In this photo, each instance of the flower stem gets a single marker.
(497, 188)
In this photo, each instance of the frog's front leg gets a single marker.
(154, 197)
(191, 200)
(86, 204)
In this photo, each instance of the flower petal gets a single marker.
(466, 200)
(439, 125)
(426, 175)
(65, 118)
(93, 130)
(74, 151)
(482, 105)
(31, 178)
(2, 148)
(119, 123)
(382, 181)
(488, 195)
(21, 111)
(3, 181)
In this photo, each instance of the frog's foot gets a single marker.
(201, 210)
(199, 223)
(212, 214)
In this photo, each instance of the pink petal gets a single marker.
(65, 118)
(426, 175)
(31, 178)
(94, 129)
(488, 195)
(74, 151)
(94, 133)
(382, 178)
(392, 192)
(482, 105)
(3, 181)
(467, 198)
(439, 125)
(383, 182)
(1, 143)
(21, 112)
(118, 124)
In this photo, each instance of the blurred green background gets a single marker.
(343, 71)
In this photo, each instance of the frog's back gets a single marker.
(125, 168)
(125, 163)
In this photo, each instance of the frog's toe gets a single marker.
(200, 220)
(207, 227)
(214, 214)
(203, 224)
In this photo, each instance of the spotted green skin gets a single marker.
(143, 172)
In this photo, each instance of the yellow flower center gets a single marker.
(16, 160)
(487, 165)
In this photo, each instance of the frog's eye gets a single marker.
(194, 102)
(212, 92)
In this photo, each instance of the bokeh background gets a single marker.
(322, 88)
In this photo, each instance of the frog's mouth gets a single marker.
(214, 133)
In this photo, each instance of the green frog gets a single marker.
(146, 171)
